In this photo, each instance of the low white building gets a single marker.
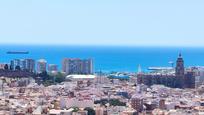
(81, 77)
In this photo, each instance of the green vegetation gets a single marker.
(18, 68)
(51, 79)
(112, 102)
(75, 109)
(116, 102)
(91, 111)
(59, 77)
(6, 67)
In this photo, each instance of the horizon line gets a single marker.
(102, 45)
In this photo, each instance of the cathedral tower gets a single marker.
(180, 66)
(180, 75)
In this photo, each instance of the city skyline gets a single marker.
(104, 57)
(113, 23)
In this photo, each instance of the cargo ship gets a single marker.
(17, 52)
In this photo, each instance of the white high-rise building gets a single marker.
(41, 65)
(24, 64)
(77, 66)
(29, 65)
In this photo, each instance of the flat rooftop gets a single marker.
(81, 76)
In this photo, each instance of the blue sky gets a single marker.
(103, 22)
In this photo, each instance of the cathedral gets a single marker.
(180, 72)
(181, 78)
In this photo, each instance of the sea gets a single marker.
(108, 58)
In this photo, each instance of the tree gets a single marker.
(11, 68)
(6, 67)
(18, 68)
(75, 109)
(91, 111)
(59, 77)
(44, 76)
(50, 79)
(102, 102)
(116, 102)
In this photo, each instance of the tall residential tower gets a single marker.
(77, 66)
(23, 64)
(41, 65)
